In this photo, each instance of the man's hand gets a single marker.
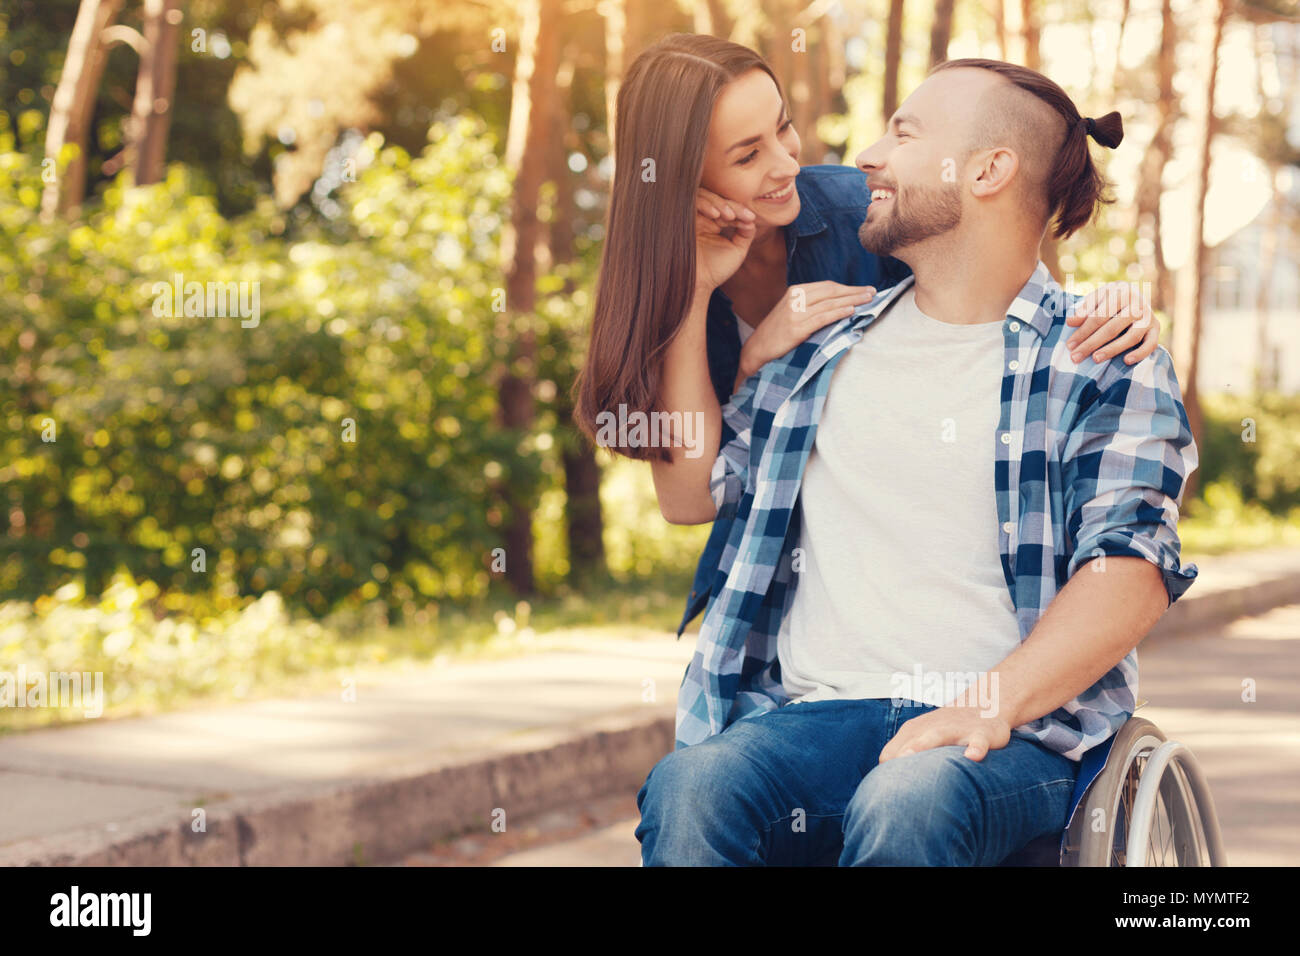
(950, 725)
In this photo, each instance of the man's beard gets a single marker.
(930, 212)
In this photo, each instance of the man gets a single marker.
(912, 652)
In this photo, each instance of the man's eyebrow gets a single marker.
(899, 119)
(751, 140)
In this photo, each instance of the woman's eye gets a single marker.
(786, 125)
(744, 160)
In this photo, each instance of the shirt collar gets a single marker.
(1038, 301)
(810, 220)
(868, 312)
(1036, 304)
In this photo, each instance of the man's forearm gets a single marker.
(1091, 625)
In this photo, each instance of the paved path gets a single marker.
(281, 780)
(103, 774)
(1250, 751)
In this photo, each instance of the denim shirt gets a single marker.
(822, 243)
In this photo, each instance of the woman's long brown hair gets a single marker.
(647, 267)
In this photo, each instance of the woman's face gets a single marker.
(753, 151)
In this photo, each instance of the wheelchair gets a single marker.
(1149, 806)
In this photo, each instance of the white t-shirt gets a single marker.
(901, 567)
(744, 328)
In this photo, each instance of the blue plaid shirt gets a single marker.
(1091, 460)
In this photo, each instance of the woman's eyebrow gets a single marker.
(751, 140)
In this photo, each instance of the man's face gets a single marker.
(914, 170)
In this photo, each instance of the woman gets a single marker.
(721, 254)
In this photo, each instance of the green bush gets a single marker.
(174, 433)
(1253, 444)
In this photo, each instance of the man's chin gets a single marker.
(875, 243)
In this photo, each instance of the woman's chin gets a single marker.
(781, 216)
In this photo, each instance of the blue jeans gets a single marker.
(803, 786)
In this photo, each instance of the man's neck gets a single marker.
(973, 284)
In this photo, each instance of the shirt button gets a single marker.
(1013, 365)
(1014, 326)
(1006, 438)
(1007, 526)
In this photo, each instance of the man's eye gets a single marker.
(786, 125)
(744, 160)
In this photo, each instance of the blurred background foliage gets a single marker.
(421, 210)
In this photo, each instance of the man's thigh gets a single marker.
(939, 807)
(774, 785)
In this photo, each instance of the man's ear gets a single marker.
(996, 169)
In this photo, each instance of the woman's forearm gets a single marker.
(682, 485)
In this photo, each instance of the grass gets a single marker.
(151, 667)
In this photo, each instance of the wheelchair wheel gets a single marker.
(1111, 796)
(1154, 802)
(1173, 813)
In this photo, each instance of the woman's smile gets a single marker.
(779, 196)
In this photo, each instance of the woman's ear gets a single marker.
(996, 170)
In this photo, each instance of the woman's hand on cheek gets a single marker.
(725, 211)
(723, 232)
(802, 311)
(1111, 319)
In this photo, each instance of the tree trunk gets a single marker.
(155, 87)
(1033, 35)
(1154, 161)
(1119, 50)
(533, 96)
(557, 240)
(1269, 239)
(615, 15)
(820, 66)
(584, 525)
(74, 105)
(1187, 329)
(940, 32)
(805, 90)
(1049, 251)
(999, 26)
(893, 56)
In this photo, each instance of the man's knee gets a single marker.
(692, 778)
(694, 809)
(922, 809)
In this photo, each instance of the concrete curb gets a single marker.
(410, 807)
(382, 819)
(1194, 615)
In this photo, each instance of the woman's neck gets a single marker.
(761, 279)
(766, 252)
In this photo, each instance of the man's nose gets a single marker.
(868, 159)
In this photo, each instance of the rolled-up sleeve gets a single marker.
(1126, 462)
(731, 467)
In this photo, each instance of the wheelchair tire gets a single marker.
(1111, 795)
(1173, 813)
